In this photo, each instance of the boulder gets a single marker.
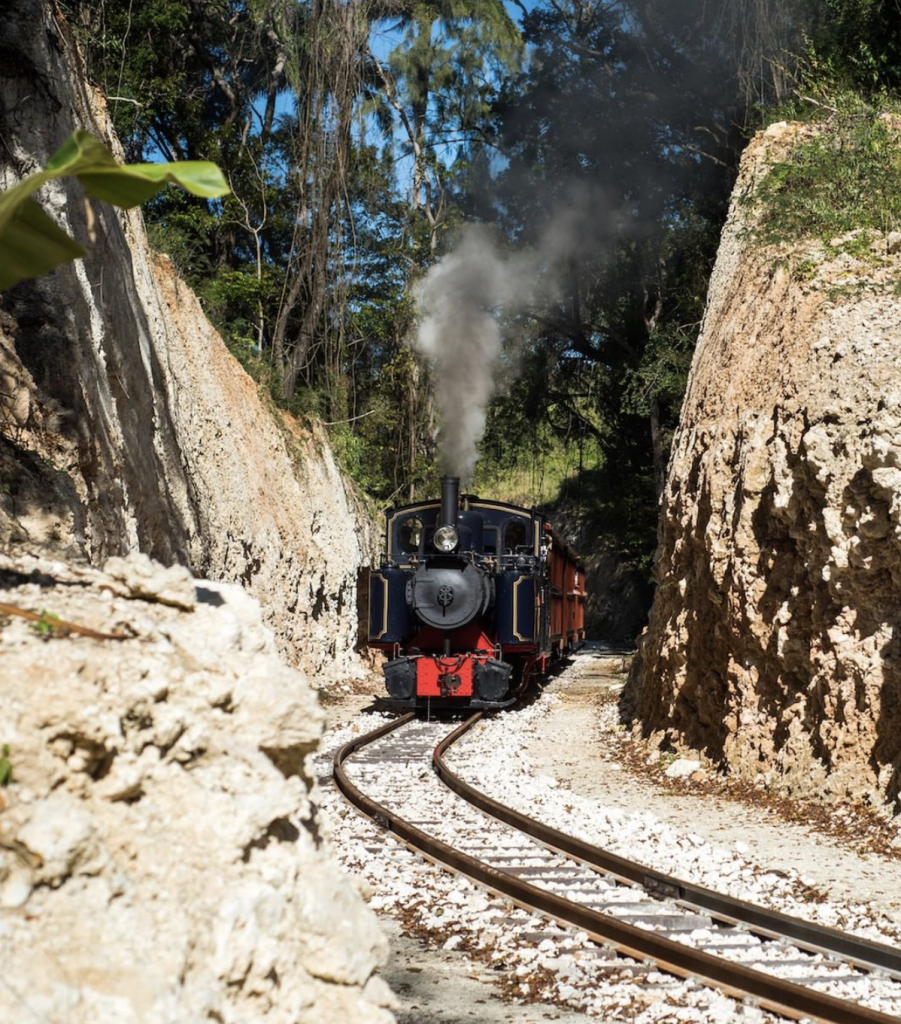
(160, 857)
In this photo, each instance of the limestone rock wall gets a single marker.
(161, 859)
(161, 855)
(774, 645)
(126, 425)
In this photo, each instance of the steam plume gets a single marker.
(459, 332)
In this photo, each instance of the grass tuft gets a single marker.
(845, 179)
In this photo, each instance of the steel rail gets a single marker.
(774, 994)
(759, 920)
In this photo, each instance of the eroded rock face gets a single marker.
(774, 643)
(125, 424)
(160, 852)
(160, 855)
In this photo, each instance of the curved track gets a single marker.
(744, 950)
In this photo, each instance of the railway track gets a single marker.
(787, 966)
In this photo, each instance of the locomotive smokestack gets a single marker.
(450, 500)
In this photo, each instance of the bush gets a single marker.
(847, 177)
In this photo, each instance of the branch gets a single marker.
(391, 96)
(816, 103)
(689, 147)
(353, 419)
(218, 78)
(577, 335)
(63, 627)
(570, 44)
(275, 77)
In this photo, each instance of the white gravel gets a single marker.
(484, 756)
(535, 958)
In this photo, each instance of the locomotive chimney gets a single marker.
(450, 500)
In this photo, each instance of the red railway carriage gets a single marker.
(470, 597)
(567, 593)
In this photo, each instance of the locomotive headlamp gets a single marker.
(446, 539)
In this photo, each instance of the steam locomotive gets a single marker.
(470, 598)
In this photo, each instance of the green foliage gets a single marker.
(6, 767)
(174, 68)
(349, 173)
(846, 178)
(446, 58)
(843, 54)
(619, 144)
(32, 244)
(530, 463)
(46, 624)
(206, 76)
(125, 186)
(662, 371)
(184, 236)
(853, 45)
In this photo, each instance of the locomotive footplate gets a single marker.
(440, 704)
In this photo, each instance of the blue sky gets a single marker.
(384, 40)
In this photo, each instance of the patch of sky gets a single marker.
(386, 36)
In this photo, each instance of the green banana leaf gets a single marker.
(31, 243)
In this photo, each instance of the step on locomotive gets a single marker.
(469, 599)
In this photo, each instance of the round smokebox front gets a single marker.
(449, 597)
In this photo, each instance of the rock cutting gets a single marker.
(450, 459)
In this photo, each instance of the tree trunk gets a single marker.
(305, 335)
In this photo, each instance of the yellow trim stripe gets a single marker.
(517, 583)
(379, 576)
(522, 513)
(403, 512)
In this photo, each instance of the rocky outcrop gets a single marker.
(775, 639)
(160, 854)
(161, 859)
(126, 425)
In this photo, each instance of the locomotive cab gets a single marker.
(460, 601)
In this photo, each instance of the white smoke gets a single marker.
(461, 299)
(459, 332)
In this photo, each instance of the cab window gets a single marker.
(409, 535)
(514, 536)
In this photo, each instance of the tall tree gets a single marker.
(616, 149)
(190, 78)
(327, 85)
(432, 95)
(440, 81)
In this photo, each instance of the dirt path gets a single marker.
(446, 987)
(575, 749)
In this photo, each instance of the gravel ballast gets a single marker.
(547, 759)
